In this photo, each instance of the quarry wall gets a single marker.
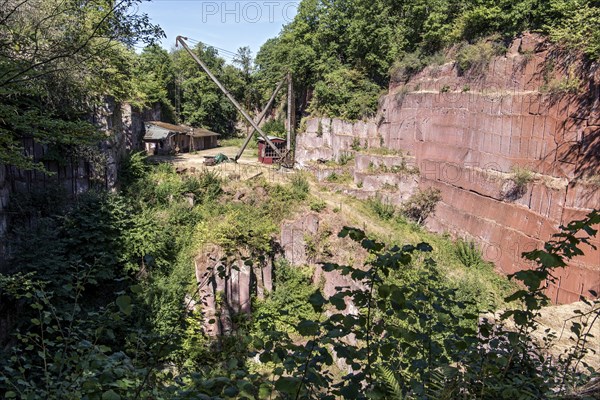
(514, 150)
(124, 130)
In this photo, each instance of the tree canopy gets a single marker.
(57, 58)
(362, 39)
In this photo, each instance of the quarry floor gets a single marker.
(247, 167)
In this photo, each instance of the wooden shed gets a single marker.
(165, 138)
(266, 154)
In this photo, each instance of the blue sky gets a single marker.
(225, 24)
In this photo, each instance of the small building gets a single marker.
(165, 138)
(266, 154)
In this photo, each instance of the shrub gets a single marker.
(474, 58)
(300, 185)
(206, 186)
(468, 253)
(318, 205)
(133, 168)
(286, 305)
(407, 66)
(343, 177)
(345, 157)
(421, 204)
(383, 209)
(521, 176)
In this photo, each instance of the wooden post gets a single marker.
(290, 111)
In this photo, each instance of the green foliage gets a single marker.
(577, 27)
(409, 65)
(474, 58)
(318, 205)
(274, 127)
(412, 63)
(343, 52)
(287, 305)
(202, 102)
(345, 93)
(339, 177)
(479, 21)
(300, 185)
(101, 311)
(345, 157)
(133, 168)
(565, 85)
(521, 176)
(153, 80)
(382, 208)
(411, 323)
(421, 204)
(58, 59)
(469, 254)
(390, 383)
(74, 305)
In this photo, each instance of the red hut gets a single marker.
(266, 154)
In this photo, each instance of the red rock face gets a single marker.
(468, 133)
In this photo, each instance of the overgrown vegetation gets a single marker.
(521, 176)
(420, 205)
(99, 286)
(343, 52)
(382, 207)
(99, 291)
(58, 60)
(469, 254)
(474, 58)
(102, 309)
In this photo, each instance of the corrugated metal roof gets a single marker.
(158, 130)
(154, 132)
(201, 132)
(271, 138)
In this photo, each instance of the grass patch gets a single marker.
(521, 176)
(479, 280)
(382, 151)
(339, 177)
(238, 142)
(382, 208)
(318, 205)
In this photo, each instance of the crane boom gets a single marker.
(260, 118)
(181, 40)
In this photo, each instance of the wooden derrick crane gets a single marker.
(285, 157)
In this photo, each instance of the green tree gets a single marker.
(153, 76)
(202, 102)
(57, 59)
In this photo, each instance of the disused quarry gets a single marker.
(308, 238)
